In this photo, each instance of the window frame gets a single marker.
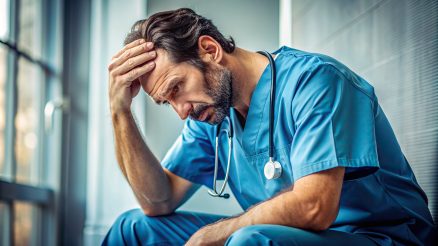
(10, 190)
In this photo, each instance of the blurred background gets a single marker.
(59, 180)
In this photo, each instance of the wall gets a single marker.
(254, 26)
(107, 189)
(394, 45)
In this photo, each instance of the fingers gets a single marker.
(137, 72)
(131, 50)
(134, 62)
(129, 46)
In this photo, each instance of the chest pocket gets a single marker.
(273, 186)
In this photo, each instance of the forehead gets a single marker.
(165, 70)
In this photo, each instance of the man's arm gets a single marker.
(312, 204)
(157, 190)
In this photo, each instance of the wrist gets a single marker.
(117, 112)
(227, 226)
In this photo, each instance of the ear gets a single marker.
(209, 49)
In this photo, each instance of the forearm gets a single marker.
(288, 209)
(285, 209)
(312, 204)
(140, 167)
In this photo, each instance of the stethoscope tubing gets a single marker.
(229, 132)
(214, 192)
(271, 103)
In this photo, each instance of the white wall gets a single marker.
(253, 25)
(108, 192)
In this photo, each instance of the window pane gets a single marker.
(29, 31)
(4, 19)
(3, 65)
(26, 225)
(4, 223)
(27, 122)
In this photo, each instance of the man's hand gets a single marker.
(213, 234)
(130, 63)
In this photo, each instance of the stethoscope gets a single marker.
(273, 168)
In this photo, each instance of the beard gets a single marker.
(219, 87)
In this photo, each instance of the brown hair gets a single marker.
(177, 32)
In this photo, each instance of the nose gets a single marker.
(182, 109)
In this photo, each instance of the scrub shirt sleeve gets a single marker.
(192, 155)
(334, 124)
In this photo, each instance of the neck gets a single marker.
(247, 68)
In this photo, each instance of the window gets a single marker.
(3, 63)
(29, 80)
(27, 121)
(25, 224)
(4, 222)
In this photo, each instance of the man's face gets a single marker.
(201, 96)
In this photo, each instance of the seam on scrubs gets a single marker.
(350, 80)
(309, 75)
(328, 164)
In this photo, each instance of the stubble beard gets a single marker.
(219, 82)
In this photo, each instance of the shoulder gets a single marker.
(298, 62)
(297, 68)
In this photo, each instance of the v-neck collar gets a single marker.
(247, 136)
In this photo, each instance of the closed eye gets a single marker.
(175, 89)
(170, 92)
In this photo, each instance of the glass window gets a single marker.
(4, 19)
(3, 66)
(29, 37)
(26, 89)
(26, 225)
(4, 223)
(27, 121)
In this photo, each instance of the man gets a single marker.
(345, 180)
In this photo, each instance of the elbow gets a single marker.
(320, 218)
(320, 225)
(157, 209)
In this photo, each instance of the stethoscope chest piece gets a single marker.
(272, 169)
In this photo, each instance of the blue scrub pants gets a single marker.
(135, 228)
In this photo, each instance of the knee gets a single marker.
(249, 235)
(129, 219)
(128, 226)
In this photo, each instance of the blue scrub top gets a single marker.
(326, 116)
